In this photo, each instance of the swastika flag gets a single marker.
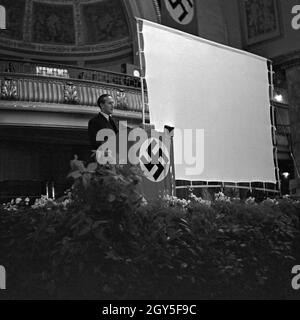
(180, 14)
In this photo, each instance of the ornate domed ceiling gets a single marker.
(96, 33)
(70, 28)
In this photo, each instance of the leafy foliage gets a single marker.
(103, 241)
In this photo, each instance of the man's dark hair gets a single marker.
(101, 99)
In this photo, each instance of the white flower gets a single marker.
(220, 196)
(43, 202)
(144, 202)
(270, 201)
(250, 200)
(200, 200)
(65, 203)
(176, 202)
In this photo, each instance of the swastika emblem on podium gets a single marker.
(182, 11)
(154, 159)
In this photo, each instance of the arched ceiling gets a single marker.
(91, 29)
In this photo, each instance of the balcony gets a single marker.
(67, 87)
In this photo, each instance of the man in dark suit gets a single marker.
(103, 120)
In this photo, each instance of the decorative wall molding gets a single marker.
(78, 23)
(261, 21)
(102, 47)
(122, 99)
(62, 116)
(37, 89)
(288, 60)
(27, 26)
(9, 89)
(70, 93)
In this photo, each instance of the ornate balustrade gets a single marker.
(61, 84)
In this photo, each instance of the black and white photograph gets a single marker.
(149, 153)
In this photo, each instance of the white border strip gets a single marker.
(188, 35)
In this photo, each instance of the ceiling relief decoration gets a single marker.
(68, 28)
(107, 20)
(27, 21)
(53, 23)
(15, 10)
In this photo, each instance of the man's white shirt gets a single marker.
(106, 116)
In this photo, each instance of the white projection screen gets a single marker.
(193, 83)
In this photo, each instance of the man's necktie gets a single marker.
(111, 121)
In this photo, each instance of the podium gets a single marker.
(156, 161)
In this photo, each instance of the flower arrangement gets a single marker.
(16, 204)
(103, 240)
(220, 196)
(44, 202)
(172, 201)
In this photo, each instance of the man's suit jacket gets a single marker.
(97, 123)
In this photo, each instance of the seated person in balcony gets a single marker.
(10, 68)
(81, 75)
(103, 120)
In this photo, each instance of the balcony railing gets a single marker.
(61, 84)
